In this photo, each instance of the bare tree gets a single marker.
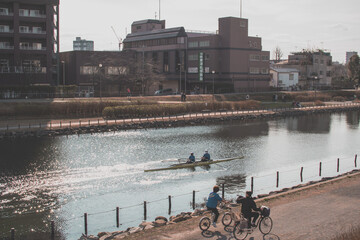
(277, 54)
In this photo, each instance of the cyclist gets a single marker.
(213, 201)
(247, 205)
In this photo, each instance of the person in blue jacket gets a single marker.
(191, 158)
(213, 201)
(205, 157)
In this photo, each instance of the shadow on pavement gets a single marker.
(271, 236)
(216, 234)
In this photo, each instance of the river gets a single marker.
(61, 178)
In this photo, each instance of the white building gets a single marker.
(284, 78)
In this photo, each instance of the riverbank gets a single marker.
(329, 206)
(91, 126)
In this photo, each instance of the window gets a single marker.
(88, 70)
(193, 44)
(37, 46)
(138, 27)
(204, 43)
(4, 11)
(37, 30)
(116, 70)
(291, 76)
(4, 28)
(34, 13)
(316, 60)
(264, 71)
(193, 57)
(180, 40)
(254, 57)
(5, 45)
(24, 12)
(264, 58)
(193, 70)
(328, 73)
(4, 65)
(321, 73)
(321, 61)
(254, 70)
(31, 65)
(166, 67)
(24, 29)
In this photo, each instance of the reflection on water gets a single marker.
(232, 183)
(62, 178)
(315, 124)
(353, 119)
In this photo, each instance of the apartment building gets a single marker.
(29, 42)
(83, 45)
(227, 60)
(314, 68)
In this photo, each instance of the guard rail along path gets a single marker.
(83, 126)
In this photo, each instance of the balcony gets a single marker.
(6, 47)
(30, 13)
(6, 30)
(32, 31)
(33, 48)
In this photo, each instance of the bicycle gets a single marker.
(264, 222)
(205, 222)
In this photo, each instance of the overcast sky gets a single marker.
(290, 24)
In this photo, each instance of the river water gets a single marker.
(60, 179)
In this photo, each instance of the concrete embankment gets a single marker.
(174, 121)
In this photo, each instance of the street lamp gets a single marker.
(63, 66)
(315, 78)
(179, 64)
(213, 75)
(100, 66)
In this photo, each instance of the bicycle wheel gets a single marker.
(265, 225)
(204, 223)
(226, 219)
(239, 232)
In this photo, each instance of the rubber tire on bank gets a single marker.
(204, 223)
(239, 233)
(226, 219)
(265, 225)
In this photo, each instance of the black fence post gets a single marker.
(12, 236)
(60, 124)
(169, 204)
(117, 217)
(145, 210)
(320, 169)
(52, 230)
(223, 190)
(338, 164)
(86, 224)
(193, 202)
(355, 160)
(301, 174)
(277, 179)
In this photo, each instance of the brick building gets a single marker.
(226, 61)
(29, 42)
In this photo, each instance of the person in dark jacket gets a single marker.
(247, 205)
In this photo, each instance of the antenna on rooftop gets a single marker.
(240, 8)
(159, 9)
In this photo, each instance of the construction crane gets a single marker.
(118, 38)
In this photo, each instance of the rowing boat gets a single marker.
(192, 165)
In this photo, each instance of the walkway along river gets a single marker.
(61, 178)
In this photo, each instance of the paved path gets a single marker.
(76, 123)
(318, 212)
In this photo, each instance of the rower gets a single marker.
(206, 156)
(191, 158)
